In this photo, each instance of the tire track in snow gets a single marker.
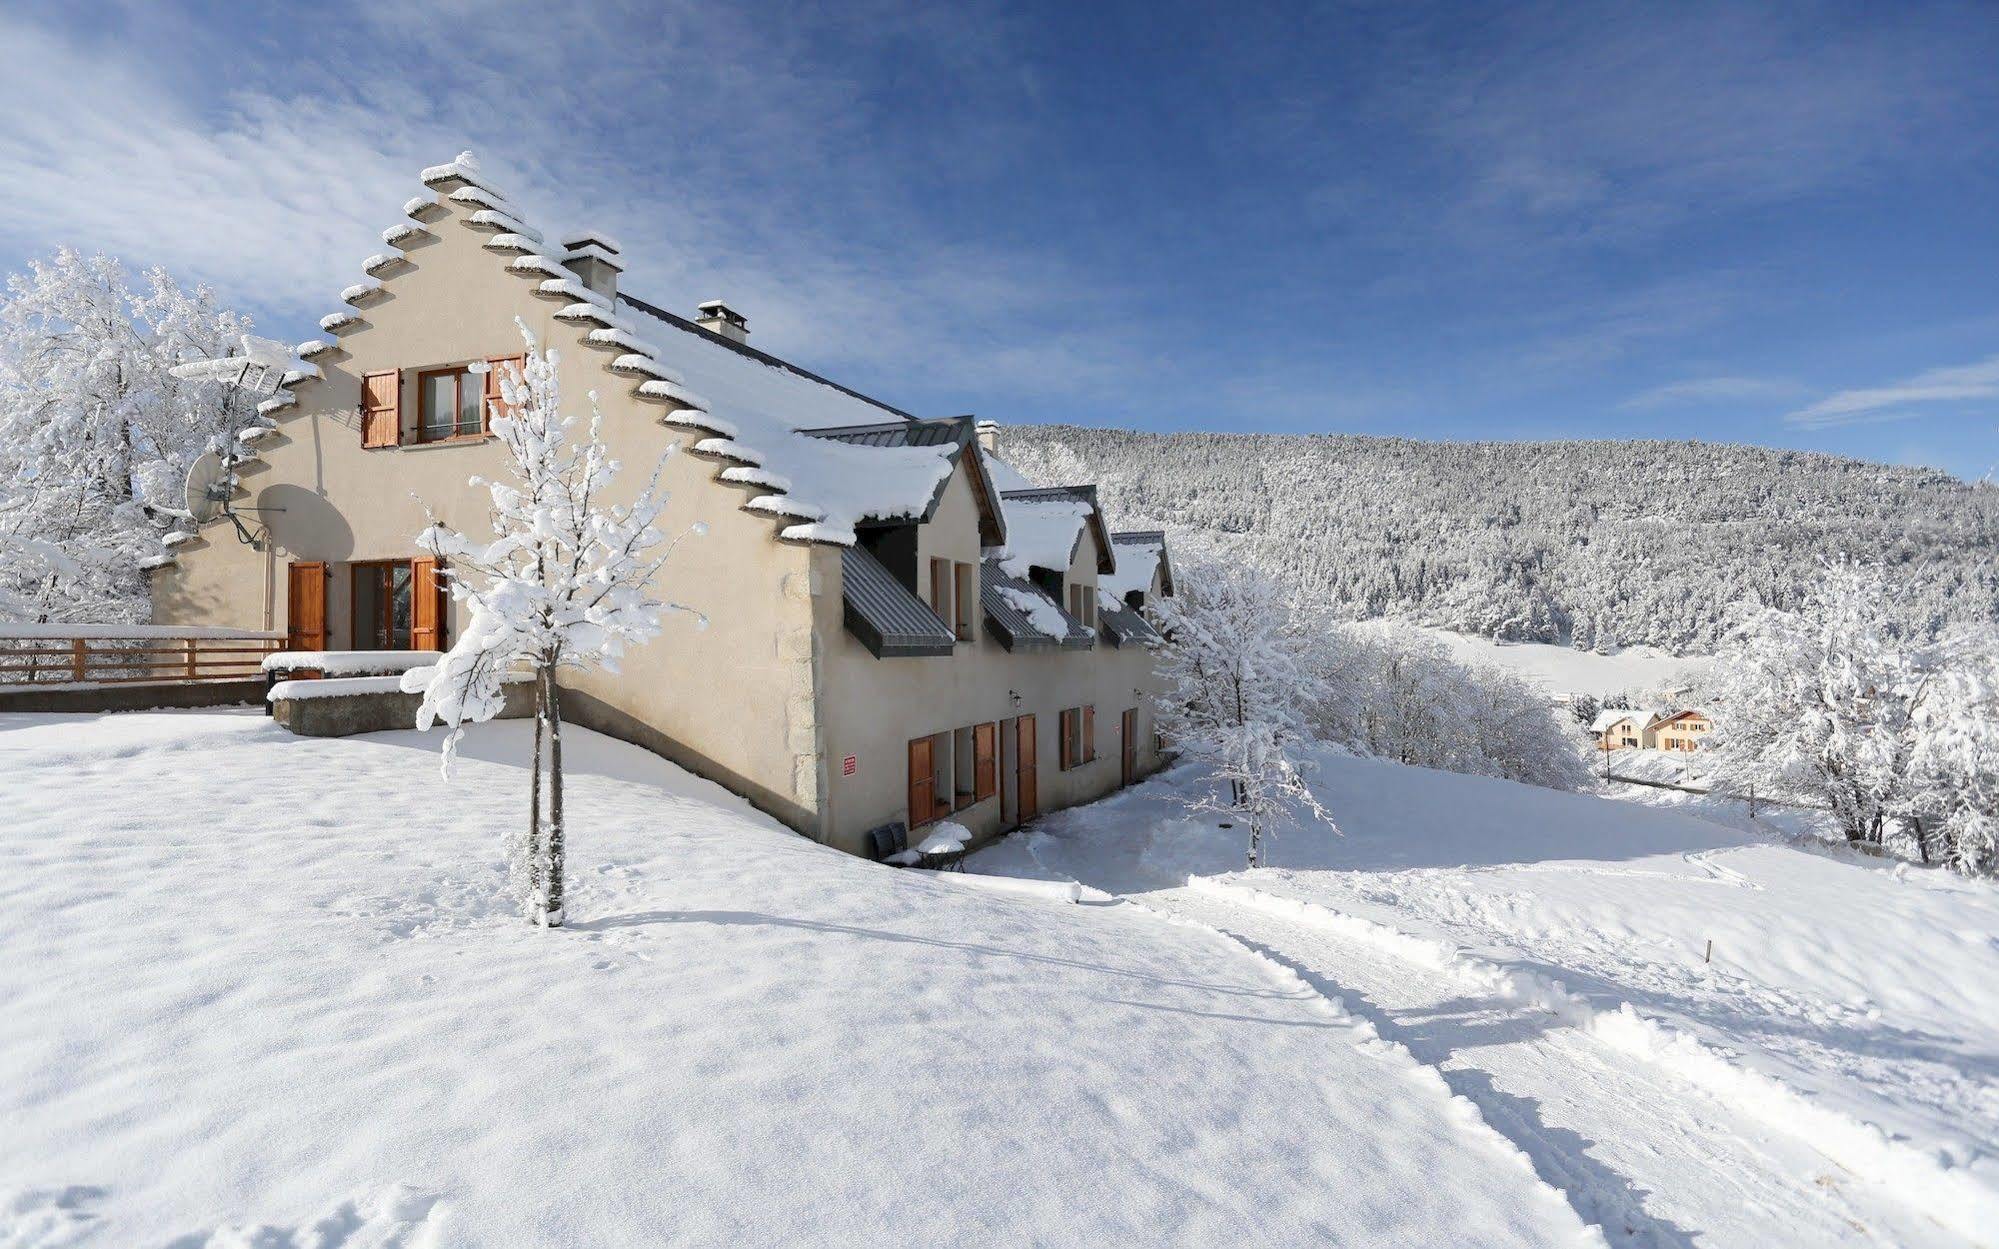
(1625, 1052)
(1369, 1039)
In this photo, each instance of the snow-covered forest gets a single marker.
(1602, 544)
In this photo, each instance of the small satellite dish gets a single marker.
(260, 369)
(209, 484)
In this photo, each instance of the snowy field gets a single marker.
(1563, 670)
(263, 991)
(1830, 1077)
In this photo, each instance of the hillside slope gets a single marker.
(1618, 542)
(1826, 1071)
(266, 990)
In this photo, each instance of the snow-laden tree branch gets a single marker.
(565, 582)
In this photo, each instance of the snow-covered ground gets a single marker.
(1562, 670)
(1831, 1076)
(263, 990)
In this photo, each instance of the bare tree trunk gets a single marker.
(1255, 841)
(552, 917)
(534, 799)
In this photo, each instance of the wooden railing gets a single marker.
(40, 656)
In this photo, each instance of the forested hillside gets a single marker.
(1599, 543)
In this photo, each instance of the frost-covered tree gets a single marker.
(1953, 799)
(1395, 692)
(1602, 543)
(96, 435)
(565, 582)
(1237, 689)
(1823, 704)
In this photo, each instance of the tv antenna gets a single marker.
(260, 369)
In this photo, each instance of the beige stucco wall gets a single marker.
(873, 707)
(734, 702)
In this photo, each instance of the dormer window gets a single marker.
(954, 595)
(449, 404)
(1083, 604)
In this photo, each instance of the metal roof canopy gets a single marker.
(879, 610)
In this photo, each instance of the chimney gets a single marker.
(988, 433)
(720, 318)
(593, 257)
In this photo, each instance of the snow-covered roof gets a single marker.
(772, 403)
(1605, 719)
(1042, 533)
(1022, 617)
(1044, 524)
(1141, 553)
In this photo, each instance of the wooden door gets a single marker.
(1128, 747)
(922, 782)
(1024, 774)
(426, 606)
(305, 606)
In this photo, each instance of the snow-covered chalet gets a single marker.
(902, 628)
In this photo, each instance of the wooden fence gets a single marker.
(42, 656)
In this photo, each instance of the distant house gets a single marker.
(1680, 730)
(1620, 728)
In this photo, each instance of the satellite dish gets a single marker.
(210, 482)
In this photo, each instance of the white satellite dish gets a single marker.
(260, 369)
(210, 481)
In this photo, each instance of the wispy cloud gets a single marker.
(1712, 390)
(1892, 402)
(733, 157)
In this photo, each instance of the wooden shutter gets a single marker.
(922, 782)
(426, 606)
(381, 409)
(1089, 750)
(985, 761)
(1065, 740)
(305, 606)
(494, 405)
(940, 588)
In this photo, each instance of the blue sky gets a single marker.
(1774, 224)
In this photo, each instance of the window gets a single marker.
(448, 404)
(1083, 604)
(397, 605)
(967, 599)
(381, 606)
(1079, 737)
(961, 767)
(952, 770)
